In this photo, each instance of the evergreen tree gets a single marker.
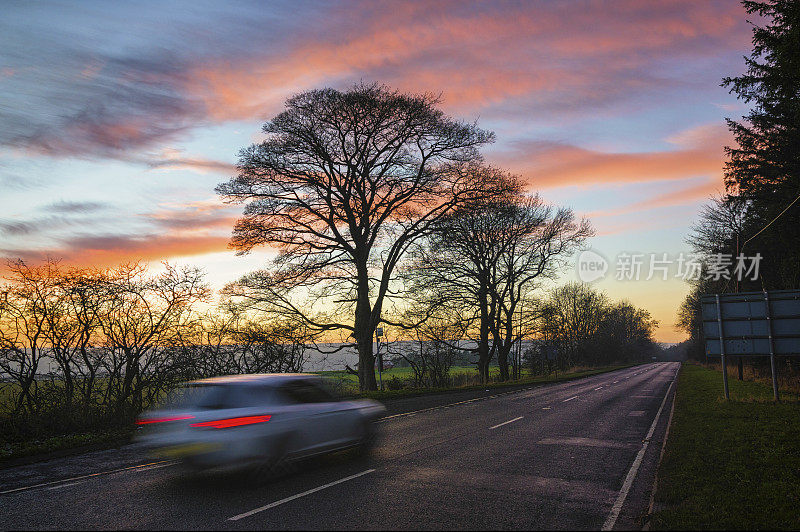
(763, 171)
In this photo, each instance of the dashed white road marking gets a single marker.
(506, 422)
(637, 462)
(440, 407)
(299, 495)
(59, 486)
(598, 388)
(570, 399)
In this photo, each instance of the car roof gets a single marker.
(255, 378)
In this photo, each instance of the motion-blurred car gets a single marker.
(267, 419)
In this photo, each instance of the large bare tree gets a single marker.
(345, 182)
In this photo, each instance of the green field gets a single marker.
(729, 464)
(349, 382)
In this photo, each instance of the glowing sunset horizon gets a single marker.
(119, 120)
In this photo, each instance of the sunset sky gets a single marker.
(118, 119)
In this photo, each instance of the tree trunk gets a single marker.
(364, 330)
(484, 355)
(366, 363)
(502, 361)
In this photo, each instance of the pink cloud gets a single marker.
(545, 164)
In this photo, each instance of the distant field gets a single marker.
(349, 382)
(729, 464)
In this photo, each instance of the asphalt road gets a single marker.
(575, 455)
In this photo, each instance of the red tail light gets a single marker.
(232, 422)
(162, 419)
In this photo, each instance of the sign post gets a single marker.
(378, 334)
(771, 349)
(722, 350)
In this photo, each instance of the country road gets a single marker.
(579, 454)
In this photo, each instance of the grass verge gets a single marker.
(11, 453)
(729, 464)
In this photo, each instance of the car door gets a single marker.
(336, 418)
(319, 422)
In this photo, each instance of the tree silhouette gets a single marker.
(343, 185)
(763, 169)
(484, 258)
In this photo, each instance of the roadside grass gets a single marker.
(80, 441)
(729, 464)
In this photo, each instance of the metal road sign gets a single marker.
(752, 324)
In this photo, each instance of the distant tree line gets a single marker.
(587, 329)
(82, 348)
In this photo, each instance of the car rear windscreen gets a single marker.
(219, 396)
(202, 396)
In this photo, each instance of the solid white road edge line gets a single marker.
(140, 466)
(506, 422)
(293, 497)
(611, 520)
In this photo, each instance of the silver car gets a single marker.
(267, 419)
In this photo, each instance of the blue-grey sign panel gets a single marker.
(753, 323)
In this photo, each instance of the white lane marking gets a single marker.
(614, 382)
(598, 388)
(637, 462)
(570, 399)
(43, 484)
(431, 409)
(156, 466)
(532, 387)
(506, 422)
(64, 485)
(546, 408)
(303, 494)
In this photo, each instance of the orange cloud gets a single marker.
(103, 251)
(682, 196)
(700, 152)
(198, 164)
(476, 56)
(175, 230)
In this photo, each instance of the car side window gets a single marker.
(303, 392)
(252, 395)
(215, 398)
